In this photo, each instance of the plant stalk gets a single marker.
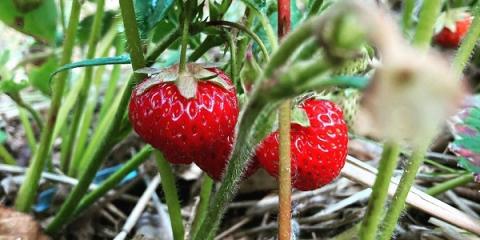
(6, 156)
(32, 142)
(171, 196)
(376, 204)
(185, 35)
(29, 187)
(407, 12)
(428, 16)
(465, 51)
(285, 181)
(450, 184)
(398, 201)
(202, 208)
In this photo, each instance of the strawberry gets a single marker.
(188, 123)
(451, 27)
(318, 150)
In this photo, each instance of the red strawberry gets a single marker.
(318, 151)
(187, 128)
(452, 27)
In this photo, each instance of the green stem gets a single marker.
(29, 187)
(468, 43)
(243, 42)
(202, 208)
(243, 145)
(245, 30)
(17, 98)
(185, 35)
(408, 6)
(112, 87)
(171, 196)
(84, 90)
(450, 184)
(32, 142)
(233, 59)
(314, 7)
(6, 156)
(102, 148)
(398, 201)
(428, 16)
(62, 14)
(171, 37)
(376, 204)
(112, 181)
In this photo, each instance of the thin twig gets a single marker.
(138, 209)
(50, 176)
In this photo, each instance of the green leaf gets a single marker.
(123, 59)
(149, 13)
(11, 87)
(85, 26)
(39, 76)
(40, 23)
(3, 137)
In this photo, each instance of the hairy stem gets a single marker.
(398, 200)
(468, 43)
(83, 94)
(233, 59)
(376, 204)
(101, 150)
(171, 196)
(285, 182)
(186, 12)
(28, 190)
(428, 16)
(113, 180)
(245, 30)
(202, 208)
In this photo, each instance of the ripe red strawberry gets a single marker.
(197, 128)
(452, 27)
(318, 151)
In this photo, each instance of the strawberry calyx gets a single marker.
(449, 19)
(186, 81)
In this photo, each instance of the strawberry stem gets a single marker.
(428, 16)
(408, 6)
(28, 190)
(244, 29)
(468, 43)
(376, 204)
(398, 200)
(285, 181)
(233, 59)
(171, 196)
(202, 208)
(185, 36)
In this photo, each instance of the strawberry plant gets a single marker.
(201, 97)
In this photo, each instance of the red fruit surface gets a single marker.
(448, 39)
(318, 151)
(200, 129)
